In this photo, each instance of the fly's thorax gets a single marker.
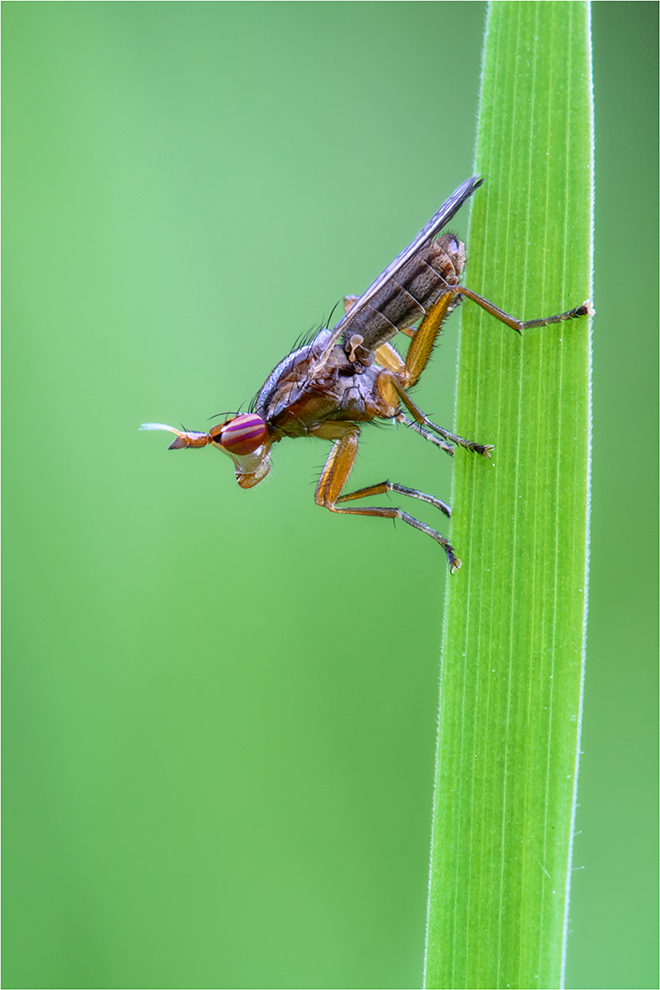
(303, 391)
(290, 370)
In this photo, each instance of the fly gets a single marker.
(352, 374)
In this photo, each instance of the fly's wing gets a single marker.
(407, 283)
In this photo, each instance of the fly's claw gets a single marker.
(452, 559)
(482, 448)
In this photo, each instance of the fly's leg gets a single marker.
(393, 391)
(391, 386)
(422, 343)
(388, 357)
(478, 448)
(333, 478)
(389, 486)
(586, 309)
(447, 447)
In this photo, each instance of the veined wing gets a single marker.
(357, 312)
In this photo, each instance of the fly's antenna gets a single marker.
(184, 438)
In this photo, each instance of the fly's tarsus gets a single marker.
(481, 448)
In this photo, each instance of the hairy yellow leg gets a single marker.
(425, 337)
(337, 467)
(388, 357)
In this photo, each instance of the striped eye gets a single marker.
(241, 435)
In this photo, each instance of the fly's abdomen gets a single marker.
(404, 299)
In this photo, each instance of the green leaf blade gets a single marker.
(514, 624)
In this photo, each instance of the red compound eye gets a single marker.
(241, 435)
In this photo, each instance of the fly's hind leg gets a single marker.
(333, 479)
(393, 382)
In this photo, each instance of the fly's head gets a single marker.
(244, 438)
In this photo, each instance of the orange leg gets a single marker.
(333, 478)
(388, 357)
(422, 343)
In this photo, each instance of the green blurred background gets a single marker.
(219, 706)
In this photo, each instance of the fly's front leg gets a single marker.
(389, 486)
(333, 478)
